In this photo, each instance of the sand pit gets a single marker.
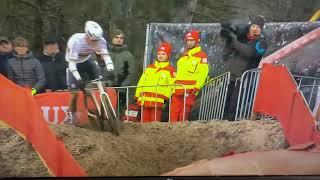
(143, 149)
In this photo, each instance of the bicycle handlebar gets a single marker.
(96, 80)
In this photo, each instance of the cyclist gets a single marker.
(80, 48)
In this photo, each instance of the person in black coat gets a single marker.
(245, 45)
(6, 52)
(54, 64)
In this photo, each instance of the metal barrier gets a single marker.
(247, 92)
(213, 97)
(127, 90)
(309, 87)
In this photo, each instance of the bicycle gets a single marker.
(104, 114)
(105, 109)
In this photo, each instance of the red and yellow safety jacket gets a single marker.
(192, 71)
(155, 75)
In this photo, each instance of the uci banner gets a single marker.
(55, 105)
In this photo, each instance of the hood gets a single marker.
(117, 48)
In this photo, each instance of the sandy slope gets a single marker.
(148, 149)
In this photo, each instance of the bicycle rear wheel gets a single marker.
(113, 122)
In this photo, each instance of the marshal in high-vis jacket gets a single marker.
(192, 71)
(156, 75)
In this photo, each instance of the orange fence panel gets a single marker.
(278, 96)
(20, 111)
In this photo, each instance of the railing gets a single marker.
(213, 97)
(247, 92)
(309, 87)
(130, 90)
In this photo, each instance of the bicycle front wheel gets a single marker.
(113, 122)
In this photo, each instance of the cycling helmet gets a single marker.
(93, 30)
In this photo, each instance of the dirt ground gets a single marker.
(143, 149)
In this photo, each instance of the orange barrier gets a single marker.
(20, 111)
(54, 105)
(292, 47)
(278, 96)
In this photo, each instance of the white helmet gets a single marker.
(93, 30)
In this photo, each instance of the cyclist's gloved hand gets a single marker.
(33, 91)
(81, 84)
(110, 67)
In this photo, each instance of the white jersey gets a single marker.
(79, 51)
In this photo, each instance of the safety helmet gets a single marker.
(93, 30)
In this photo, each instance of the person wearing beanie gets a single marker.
(245, 45)
(155, 85)
(192, 72)
(54, 64)
(125, 71)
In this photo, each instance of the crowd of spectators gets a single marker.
(245, 45)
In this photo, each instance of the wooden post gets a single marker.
(28, 147)
(253, 116)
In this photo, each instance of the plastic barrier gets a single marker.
(278, 96)
(20, 111)
(54, 105)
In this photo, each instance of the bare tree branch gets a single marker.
(206, 15)
(30, 4)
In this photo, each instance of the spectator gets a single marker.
(245, 46)
(124, 62)
(124, 73)
(24, 69)
(156, 75)
(54, 64)
(192, 72)
(5, 54)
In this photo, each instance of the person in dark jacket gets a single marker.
(125, 67)
(124, 73)
(245, 46)
(5, 54)
(54, 64)
(24, 69)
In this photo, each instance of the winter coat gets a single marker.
(192, 71)
(55, 70)
(26, 71)
(124, 73)
(4, 63)
(155, 77)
